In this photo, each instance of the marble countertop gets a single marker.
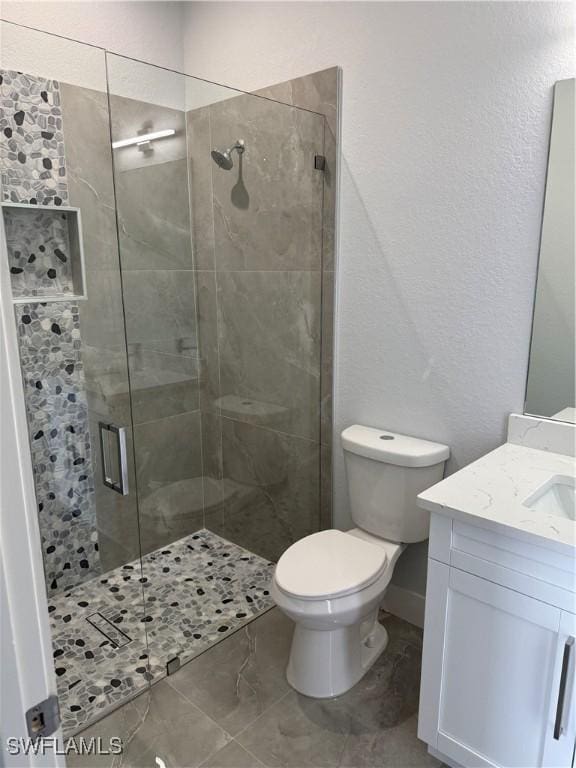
(491, 492)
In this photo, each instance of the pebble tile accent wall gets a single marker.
(33, 163)
(33, 171)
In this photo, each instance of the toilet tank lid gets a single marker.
(392, 448)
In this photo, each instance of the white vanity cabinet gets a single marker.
(499, 655)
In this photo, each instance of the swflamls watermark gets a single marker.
(79, 745)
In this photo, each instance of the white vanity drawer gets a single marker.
(534, 570)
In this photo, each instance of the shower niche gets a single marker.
(45, 252)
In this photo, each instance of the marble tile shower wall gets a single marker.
(33, 167)
(319, 92)
(161, 329)
(261, 256)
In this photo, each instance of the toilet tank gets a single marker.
(386, 472)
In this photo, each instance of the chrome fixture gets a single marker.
(113, 451)
(224, 159)
(143, 139)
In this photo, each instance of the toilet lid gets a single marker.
(329, 564)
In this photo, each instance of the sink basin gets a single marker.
(556, 497)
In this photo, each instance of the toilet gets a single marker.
(332, 583)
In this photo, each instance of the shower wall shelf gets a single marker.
(45, 252)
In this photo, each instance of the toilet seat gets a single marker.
(329, 564)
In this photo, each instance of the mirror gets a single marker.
(551, 383)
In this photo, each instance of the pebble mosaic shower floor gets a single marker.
(197, 591)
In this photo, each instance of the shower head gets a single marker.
(224, 159)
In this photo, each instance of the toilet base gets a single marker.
(327, 663)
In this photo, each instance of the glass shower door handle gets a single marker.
(113, 454)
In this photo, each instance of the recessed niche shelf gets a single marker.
(45, 252)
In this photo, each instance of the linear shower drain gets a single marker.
(110, 631)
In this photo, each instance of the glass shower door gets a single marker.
(220, 232)
(58, 209)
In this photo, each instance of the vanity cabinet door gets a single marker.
(499, 675)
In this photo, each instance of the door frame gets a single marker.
(27, 667)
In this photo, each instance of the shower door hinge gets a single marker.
(173, 665)
(319, 162)
(44, 718)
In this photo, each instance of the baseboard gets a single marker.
(405, 604)
(446, 761)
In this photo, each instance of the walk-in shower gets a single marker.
(174, 350)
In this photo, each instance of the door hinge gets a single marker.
(319, 162)
(44, 718)
(173, 665)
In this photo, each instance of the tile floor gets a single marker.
(197, 590)
(231, 707)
